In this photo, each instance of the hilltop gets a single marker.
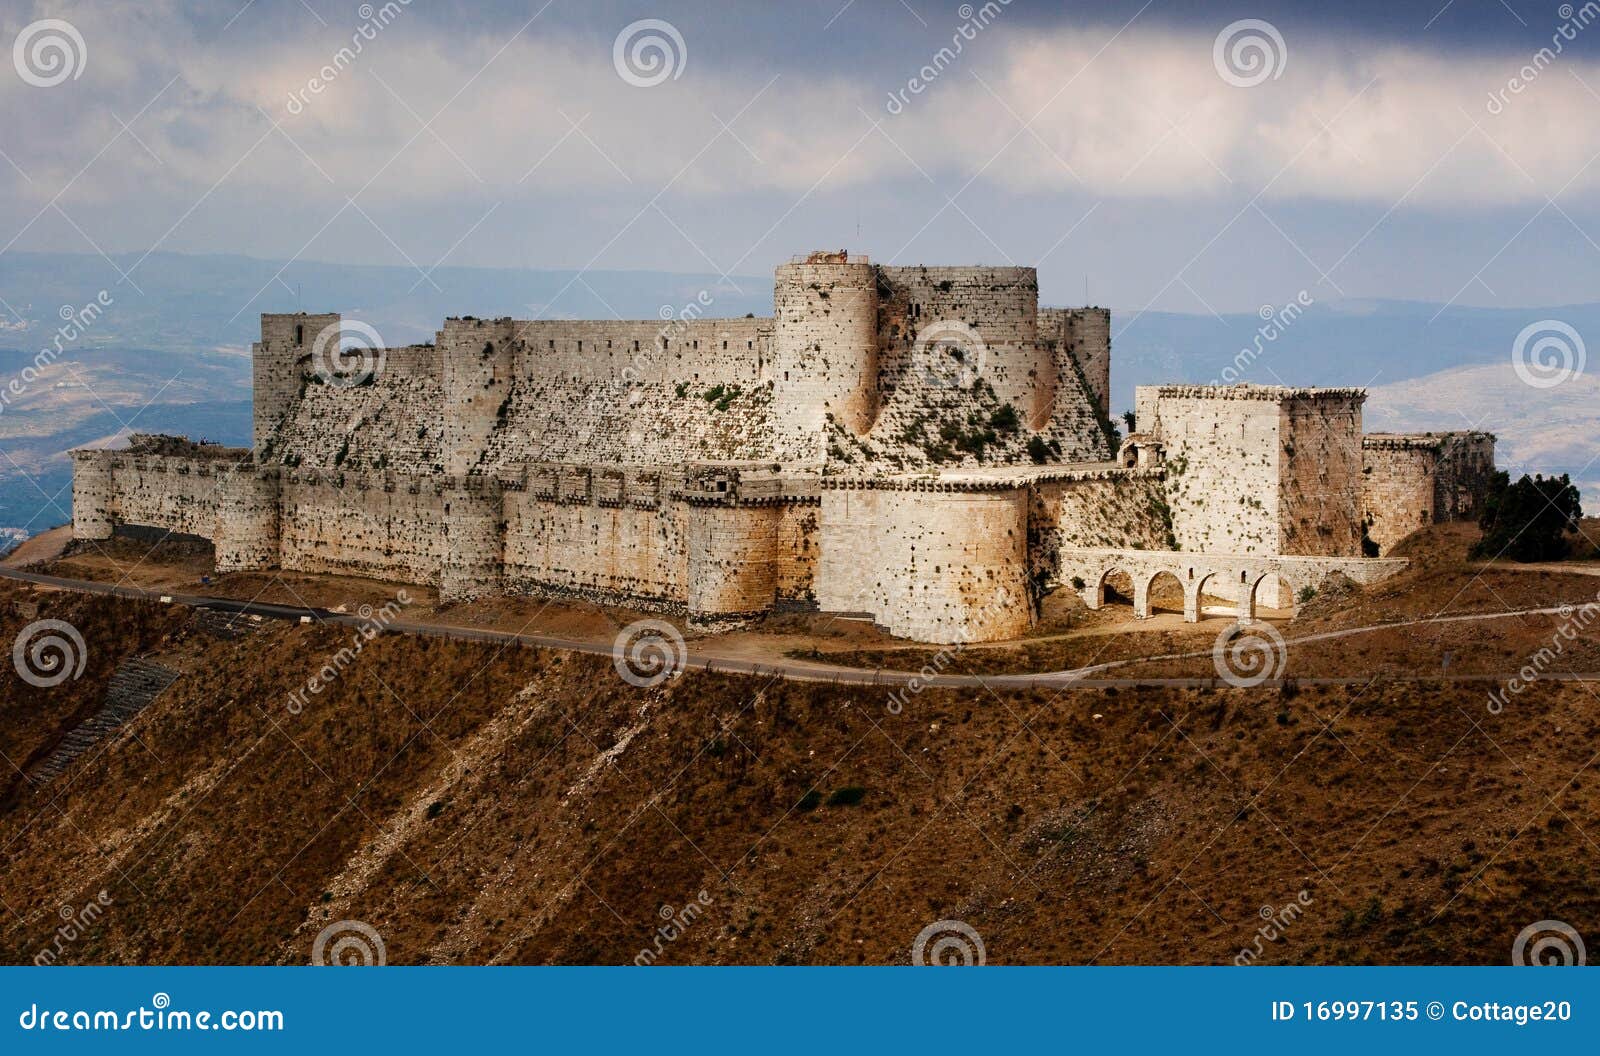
(478, 804)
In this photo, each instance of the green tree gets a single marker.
(1529, 520)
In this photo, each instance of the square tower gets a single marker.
(1259, 469)
(279, 363)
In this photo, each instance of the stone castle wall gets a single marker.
(1320, 474)
(1412, 480)
(1259, 469)
(921, 444)
(1084, 334)
(1224, 464)
(932, 565)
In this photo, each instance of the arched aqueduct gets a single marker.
(1221, 575)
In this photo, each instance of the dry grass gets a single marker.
(528, 806)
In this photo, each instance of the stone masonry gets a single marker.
(923, 445)
(1412, 480)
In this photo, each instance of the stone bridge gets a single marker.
(1221, 575)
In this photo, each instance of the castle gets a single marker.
(926, 446)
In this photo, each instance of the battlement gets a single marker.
(1410, 480)
(1243, 391)
(1436, 442)
(921, 443)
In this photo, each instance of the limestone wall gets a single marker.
(628, 551)
(825, 343)
(220, 496)
(935, 566)
(799, 544)
(1224, 463)
(93, 495)
(175, 494)
(1122, 508)
(732, 558)
(1415, 479)
(1084, 334)
(385, 526)
(832, 379)
(247, 535)
(695, 350)
(1259, 469)
(278, 363)
(1320, 474)
(1000, 306)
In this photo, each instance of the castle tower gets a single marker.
(474, 539)
(247, 532)
(991, 314)
(278, 363)
(825, 351)
(1086, 337)
(478, 360)
(1259, 469)
(93, 494)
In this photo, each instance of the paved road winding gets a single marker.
(709, 659)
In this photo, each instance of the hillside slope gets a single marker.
(476, 806)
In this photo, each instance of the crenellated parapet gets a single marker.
(1411, 480)
(926, 445)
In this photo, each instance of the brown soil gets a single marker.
(482, 805)
(1441, 581)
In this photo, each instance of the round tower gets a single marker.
(246, 536)
(93, 493)
(825, 351)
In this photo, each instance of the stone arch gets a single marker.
(1221, 584)
(1279, 593)
(1094, 583)
(1294, 584)
(1145, 580)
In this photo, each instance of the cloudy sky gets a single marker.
(1155, 155)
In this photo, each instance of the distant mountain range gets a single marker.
(173, 354)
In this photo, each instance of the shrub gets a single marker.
(1005, 419)
(810, 801)
(1529, 520)
(848, 796)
